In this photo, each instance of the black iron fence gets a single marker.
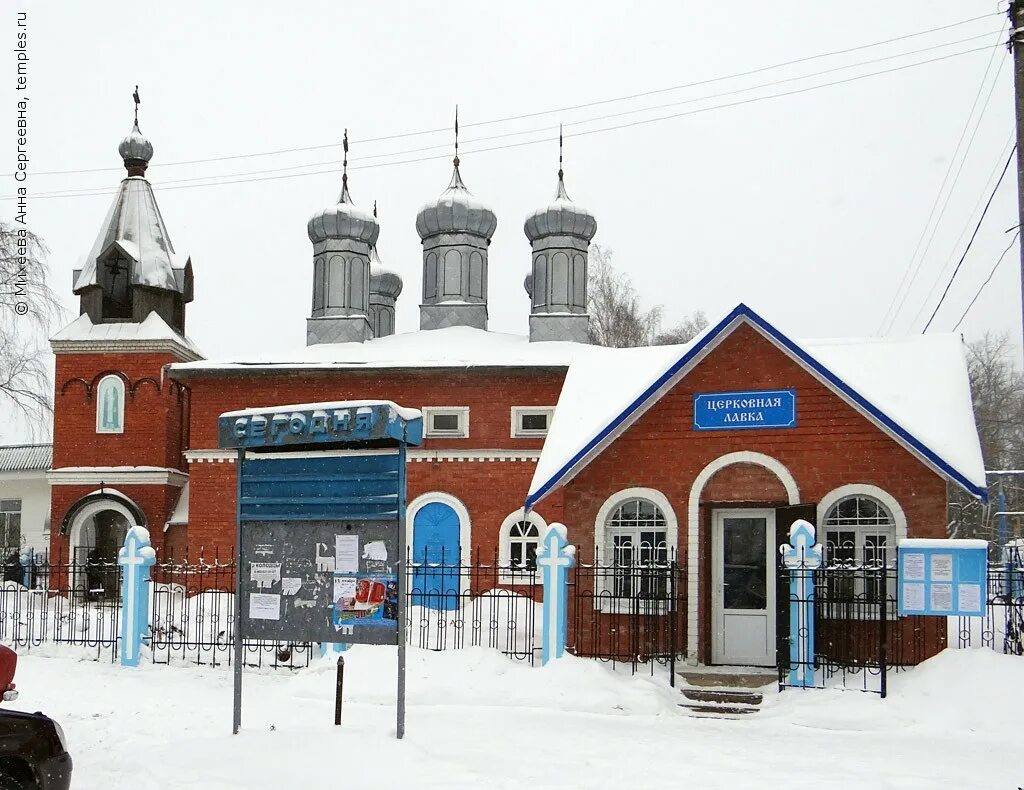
(76, 600)
(859, 637)
(622, 613)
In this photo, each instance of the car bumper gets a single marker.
(55, 773)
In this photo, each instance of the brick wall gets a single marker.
(152, 418)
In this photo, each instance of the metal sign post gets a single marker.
(321, 534)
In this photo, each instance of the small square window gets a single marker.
(451, 421)
(531, 420)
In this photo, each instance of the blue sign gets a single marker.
(320, 423)
(730, 411)
(943, 577)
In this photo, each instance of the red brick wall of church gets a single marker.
(152, 423)
(832, 445)
(489, 489)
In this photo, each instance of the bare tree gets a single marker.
(997, 391)
(28, 308)
(616, 315)
(683, 332)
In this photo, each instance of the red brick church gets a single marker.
(705, 449)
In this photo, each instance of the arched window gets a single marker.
(636, 535)
(860, 529)
(110, 405)
(519, 539)
(860, 535)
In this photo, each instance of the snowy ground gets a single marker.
(478, 720)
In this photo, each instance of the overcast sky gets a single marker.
(808, 207)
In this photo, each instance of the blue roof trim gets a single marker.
(742, 311)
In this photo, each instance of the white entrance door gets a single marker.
(743, 593)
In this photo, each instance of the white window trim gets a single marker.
(518, 412)
(99, 404)
(899, 519)
(463, 415)
(606, 603)
(508, 576)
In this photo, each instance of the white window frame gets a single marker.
(518, 412)
(606, 602)
(507, 575)
(462, 412)
(99, 404)
(4, 518)
(892, 532)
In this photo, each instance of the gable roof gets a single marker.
(914, 389)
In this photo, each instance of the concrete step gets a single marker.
(718, 711)
(712, 678)
(722, 696)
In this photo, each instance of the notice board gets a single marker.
(942, 577)
(320, 581)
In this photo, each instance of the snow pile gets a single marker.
(477, 720)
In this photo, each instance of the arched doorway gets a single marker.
(96, 533)
(436, 556)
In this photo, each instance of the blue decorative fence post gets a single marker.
(554, 557)
(802, 557)
(136, 557)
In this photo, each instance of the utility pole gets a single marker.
(1016, 45)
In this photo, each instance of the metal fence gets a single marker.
(859, 637)
(628, 613)
(75, 600)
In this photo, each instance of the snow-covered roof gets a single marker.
(453, 347)
(134, 225)
(152, 330)
(915, 389)
(25, 457)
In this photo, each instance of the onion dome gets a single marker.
(528, 285)
(456, 211)
(561, 217)
(136, 151)
(383, 280)
(343, 221)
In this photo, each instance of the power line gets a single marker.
(970, 243)
(554, 110)
(942, 213)
(938, 195)
(587, 132)
(988, 279)
(583, 121)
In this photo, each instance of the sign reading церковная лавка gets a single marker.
(726, 411)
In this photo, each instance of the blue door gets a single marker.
(436, 557)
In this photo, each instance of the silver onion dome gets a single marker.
(383, 280)
(528, 284)
(456, 211)
(135, 146)
(343, 221)
(561, 217)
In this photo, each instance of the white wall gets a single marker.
(33, 489)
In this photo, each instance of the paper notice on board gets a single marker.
(265, 574)
(346, 554)
(942, 567)
(344, 589)
(290, 585)
(969, 598)
(913, 567)
(913, 597)
(263, 606)
(942, 598)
